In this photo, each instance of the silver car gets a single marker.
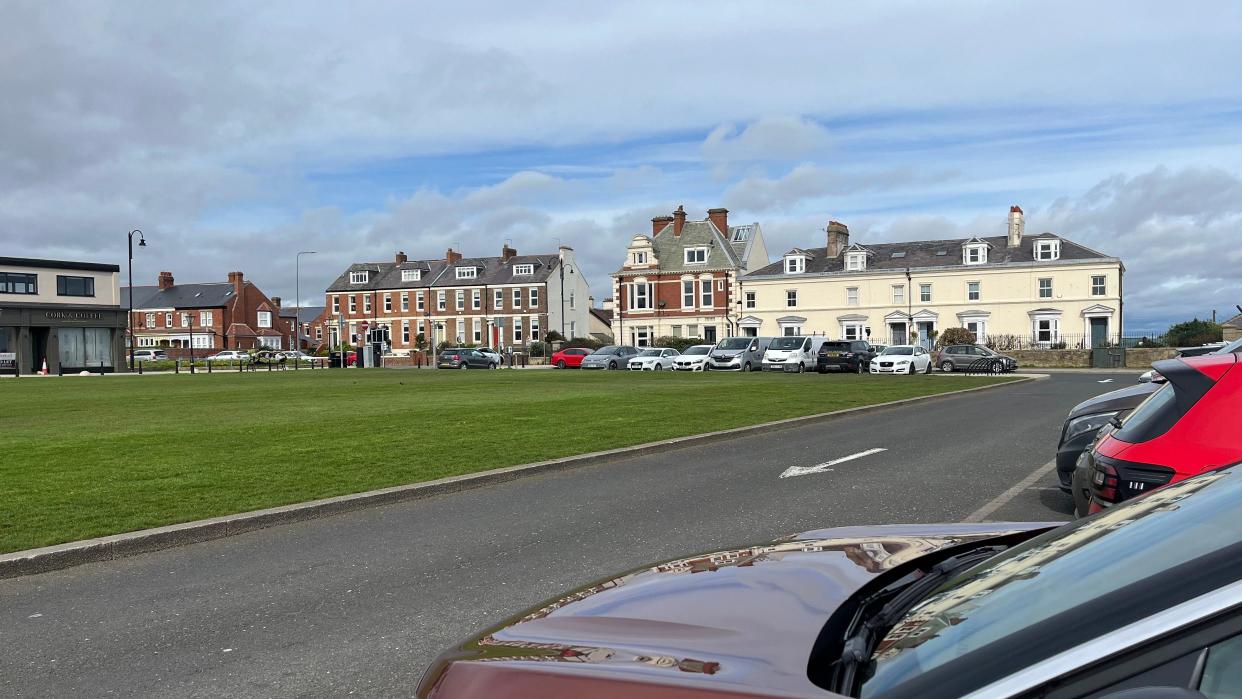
(609, 357)
(959, 357)
(738, 354)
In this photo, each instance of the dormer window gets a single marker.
(975, 254)
(741, 234)
(640, 258)
(467, 272)
(411, 275)
(855, 261)
(696, 256)
(795, 264)
(523, 270)
(359, 277)
(1047, 249)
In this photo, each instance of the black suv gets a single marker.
(465, 358)
(845, 355)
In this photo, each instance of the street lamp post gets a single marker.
(129, 324)
(909, 305)
(297, 299)
(190, 325)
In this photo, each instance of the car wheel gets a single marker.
(464, 366)
(1080, 492)
(801, 367)
(860, 367)
(492, 365)
(946, 366)
(911, 370)
(560, 364)
(929, 368)
(997, 367)
(746, 366)
(612, 365)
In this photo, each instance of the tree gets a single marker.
(420, 342)
(679, 343)
(955, 336)
(1193, 333)
(554, 336)
(587, 342)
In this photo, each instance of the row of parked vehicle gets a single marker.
(793, 354)
(232, 356)
(1140, 600)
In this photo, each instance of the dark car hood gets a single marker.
(742, 620)
(1126, 398)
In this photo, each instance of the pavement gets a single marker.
(360, 602)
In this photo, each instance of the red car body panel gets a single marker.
(734, 623)
(571, 359)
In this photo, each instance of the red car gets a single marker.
(570, 357)
(1191, 425)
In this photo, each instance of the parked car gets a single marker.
(351, 358)
(609, 357)
(738, 354)
(693, 359)
(569, 357)
(901, 359)
(792, 353)
(960, 357)
(464, 358)
(230, 356)
(149, 355)
(845, 355)
(1189, 425)
(653, 359)
(492, 355)
(1145, 596)
(298, 356)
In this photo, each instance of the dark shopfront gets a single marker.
(70, 338)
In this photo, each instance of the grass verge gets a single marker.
(90, 456)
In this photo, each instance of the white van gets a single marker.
(793, 353)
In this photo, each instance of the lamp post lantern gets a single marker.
(129, 320)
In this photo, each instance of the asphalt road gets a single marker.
(359, 603)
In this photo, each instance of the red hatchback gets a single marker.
(1191, 425)
(570, 357)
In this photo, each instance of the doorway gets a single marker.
(925, 330)
(1099, 331)
(897, 331)
(709, 333)
(38, 347)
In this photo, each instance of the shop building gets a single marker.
(65, 313)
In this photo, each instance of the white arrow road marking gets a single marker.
(1105, 381)
(827, 465)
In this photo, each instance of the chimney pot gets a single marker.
(276, 301)
(659, 223)
(1017, 226)
(838, 238)
(238, 282)
(720, 218)
(400, 257)
(507, 253)
(165, 280)
(451, 256)
(679, 220)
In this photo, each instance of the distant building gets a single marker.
(65, 313)
(601, 320)
(234, 314)
(1042, 290)
(506, 301)
(1233, 328)
(682, 280)
(308, 322)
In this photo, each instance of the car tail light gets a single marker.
(1114, 480)
(457, 358)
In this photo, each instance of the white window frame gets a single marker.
(696, 256)
(975, 254)
(405, 332)
(263, 319)
(461, 330)
(476, 299)
(388, 303)
(517, 298)
(405, 301)
(795, 264)
(687, 293)
(1103, 285)
(461, 299)
(791, 298)
(420, 302)
(853, 331)
(523, 270)
(411, 275)
(855, 261)
(925, 292)
(1047, 250)
(706, 297)
(206, 318)
(476, 329)
(185, 319)
(899, 294)
(168, 319)
(534, 297)
(851, 296)
(518, 327)
(366, 303)
(1053, 330)
(359, 277)
(640, 296)
(751, 299)
(467, 273)
(1041, 287)
(534, 328)
(978, 291)
(640, 257)
(336, 304)
(572, 301)
(441, 301)
(498, 299)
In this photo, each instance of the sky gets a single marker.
(236, 134)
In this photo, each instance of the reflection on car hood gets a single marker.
(742, 619)
(1126, 398)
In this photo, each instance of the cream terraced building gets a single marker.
(1009, 290)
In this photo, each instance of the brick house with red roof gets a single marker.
(235, 314)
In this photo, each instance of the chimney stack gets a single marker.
(1016, 226)
(659, 223)
(235, 278)
(720, 217)
(451, 256)
(166, 280)
(838, 238)
(400, 257)
(679, 220)
(276, 301)
(507, 253)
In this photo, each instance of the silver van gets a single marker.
(738, 354)
(793, 353)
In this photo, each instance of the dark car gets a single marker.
(961, 357)
(1148, 594)
(465, 358)
(1191, 424)
(844, 355)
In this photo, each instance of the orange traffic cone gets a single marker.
(44, 369)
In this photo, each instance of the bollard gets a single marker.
(140, 368)
(176, 366)
(208, 366)
(239, 369)
(101, 368)
(191, 365)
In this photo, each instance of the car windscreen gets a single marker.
(889, 351)
(785, 343)
(649, 353)
(1155, 415)
(608, 349)
(835, 347)
(1003, 601)
(698, 349)
(735, 343)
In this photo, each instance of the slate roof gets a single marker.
(1234, 322)
(211, 295)
(305, 315)
(670, 249)
(438, 274)
(923, 254)
(605, 315)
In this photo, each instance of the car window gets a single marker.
(1153, 417)
(1222, 673)
(835, 347)
(785, 343)
(698, 349)
(733, 343)
(898, 351)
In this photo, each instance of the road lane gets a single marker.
(360, 602)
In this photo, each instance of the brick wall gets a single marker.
(1081, 359)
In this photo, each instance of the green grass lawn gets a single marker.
(89, 456)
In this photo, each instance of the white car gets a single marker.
(298, 355)
(693, 359)
(149, 355)
(492, 355)
(902, 359)
(229, 356)
(654, 359)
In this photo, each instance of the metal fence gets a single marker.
(1073, 341)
